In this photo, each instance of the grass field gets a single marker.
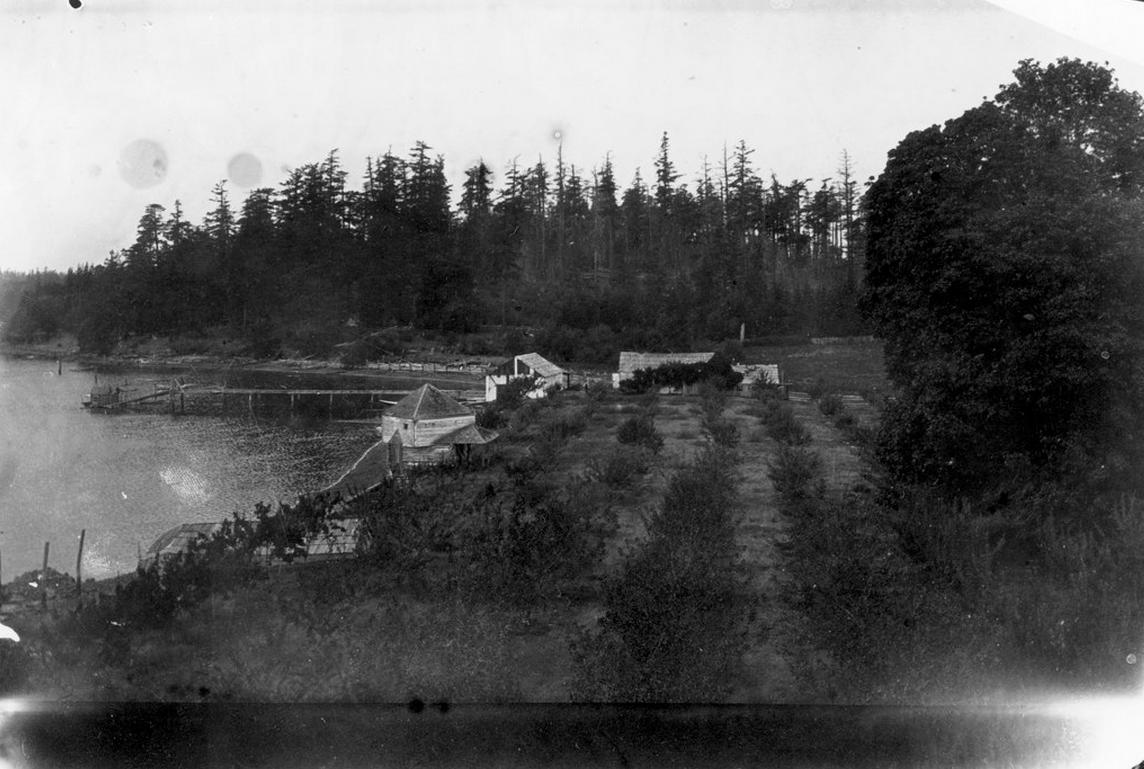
(857, 367)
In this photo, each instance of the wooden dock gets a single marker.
(178, 397)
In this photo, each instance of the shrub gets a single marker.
(670, 633)
(717, 371)
(620, 466)
(795, 472)
(356, 354)
(830, 404)
(514, 392)
(640, 431)
(784, 427)
(491, 416)
(565, 426)
(764, 389)
(598, 391)
(14, 665)
(674, 627)
(722, 431)
(818, 388)
(525, 548)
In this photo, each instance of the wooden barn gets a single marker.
(631, 362)
(429, 427)
(527, 365)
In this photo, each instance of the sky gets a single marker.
(122, 103)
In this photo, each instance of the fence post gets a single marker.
(44, 578)
(79, 565)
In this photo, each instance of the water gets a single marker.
(126, 478)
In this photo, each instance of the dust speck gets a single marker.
(143, 163)
(245, 170)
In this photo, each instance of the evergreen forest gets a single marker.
(551, 249)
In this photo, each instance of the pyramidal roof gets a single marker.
(427, 402)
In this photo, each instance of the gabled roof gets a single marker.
(427, 402)
(540, 364)
(631, 362)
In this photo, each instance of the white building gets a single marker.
(531, 364)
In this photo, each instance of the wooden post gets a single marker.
(79, 565)
(44, 578)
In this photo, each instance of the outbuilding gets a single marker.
(429, 427)
(548, 375)
(631, 362)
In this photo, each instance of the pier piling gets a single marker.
(44, 578)
(79, 564)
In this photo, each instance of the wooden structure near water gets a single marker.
(180, 399)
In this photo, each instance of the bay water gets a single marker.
(126, 478)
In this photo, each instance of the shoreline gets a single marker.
(420, 368)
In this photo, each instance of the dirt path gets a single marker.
(775, 638)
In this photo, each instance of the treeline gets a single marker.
(555, 247)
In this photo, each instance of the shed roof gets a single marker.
(468, 434)
(630, 362)
(176, 540)
(427, 402)
(368, 471)
(540, 364)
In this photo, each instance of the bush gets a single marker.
(14, 665)
(524, 549)
(513, 393)
(674, 627)
(845, 422)
(830, 405)
(796, 473)
(598, 391)
(491, 416)
(717, 371)
(565, 426)
(640, 431)
(722, 431)
(620, 467)
(784, 427)
(670, 633)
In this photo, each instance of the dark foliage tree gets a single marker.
(1004, 273)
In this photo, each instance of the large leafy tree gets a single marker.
(1004, 271)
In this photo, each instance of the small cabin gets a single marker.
(766, 373)
(549, 375)
(429, 427)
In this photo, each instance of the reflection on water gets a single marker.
(126, 478)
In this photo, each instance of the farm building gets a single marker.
(530, 364)
(631, 362)
(429, 427)
(755, 372)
